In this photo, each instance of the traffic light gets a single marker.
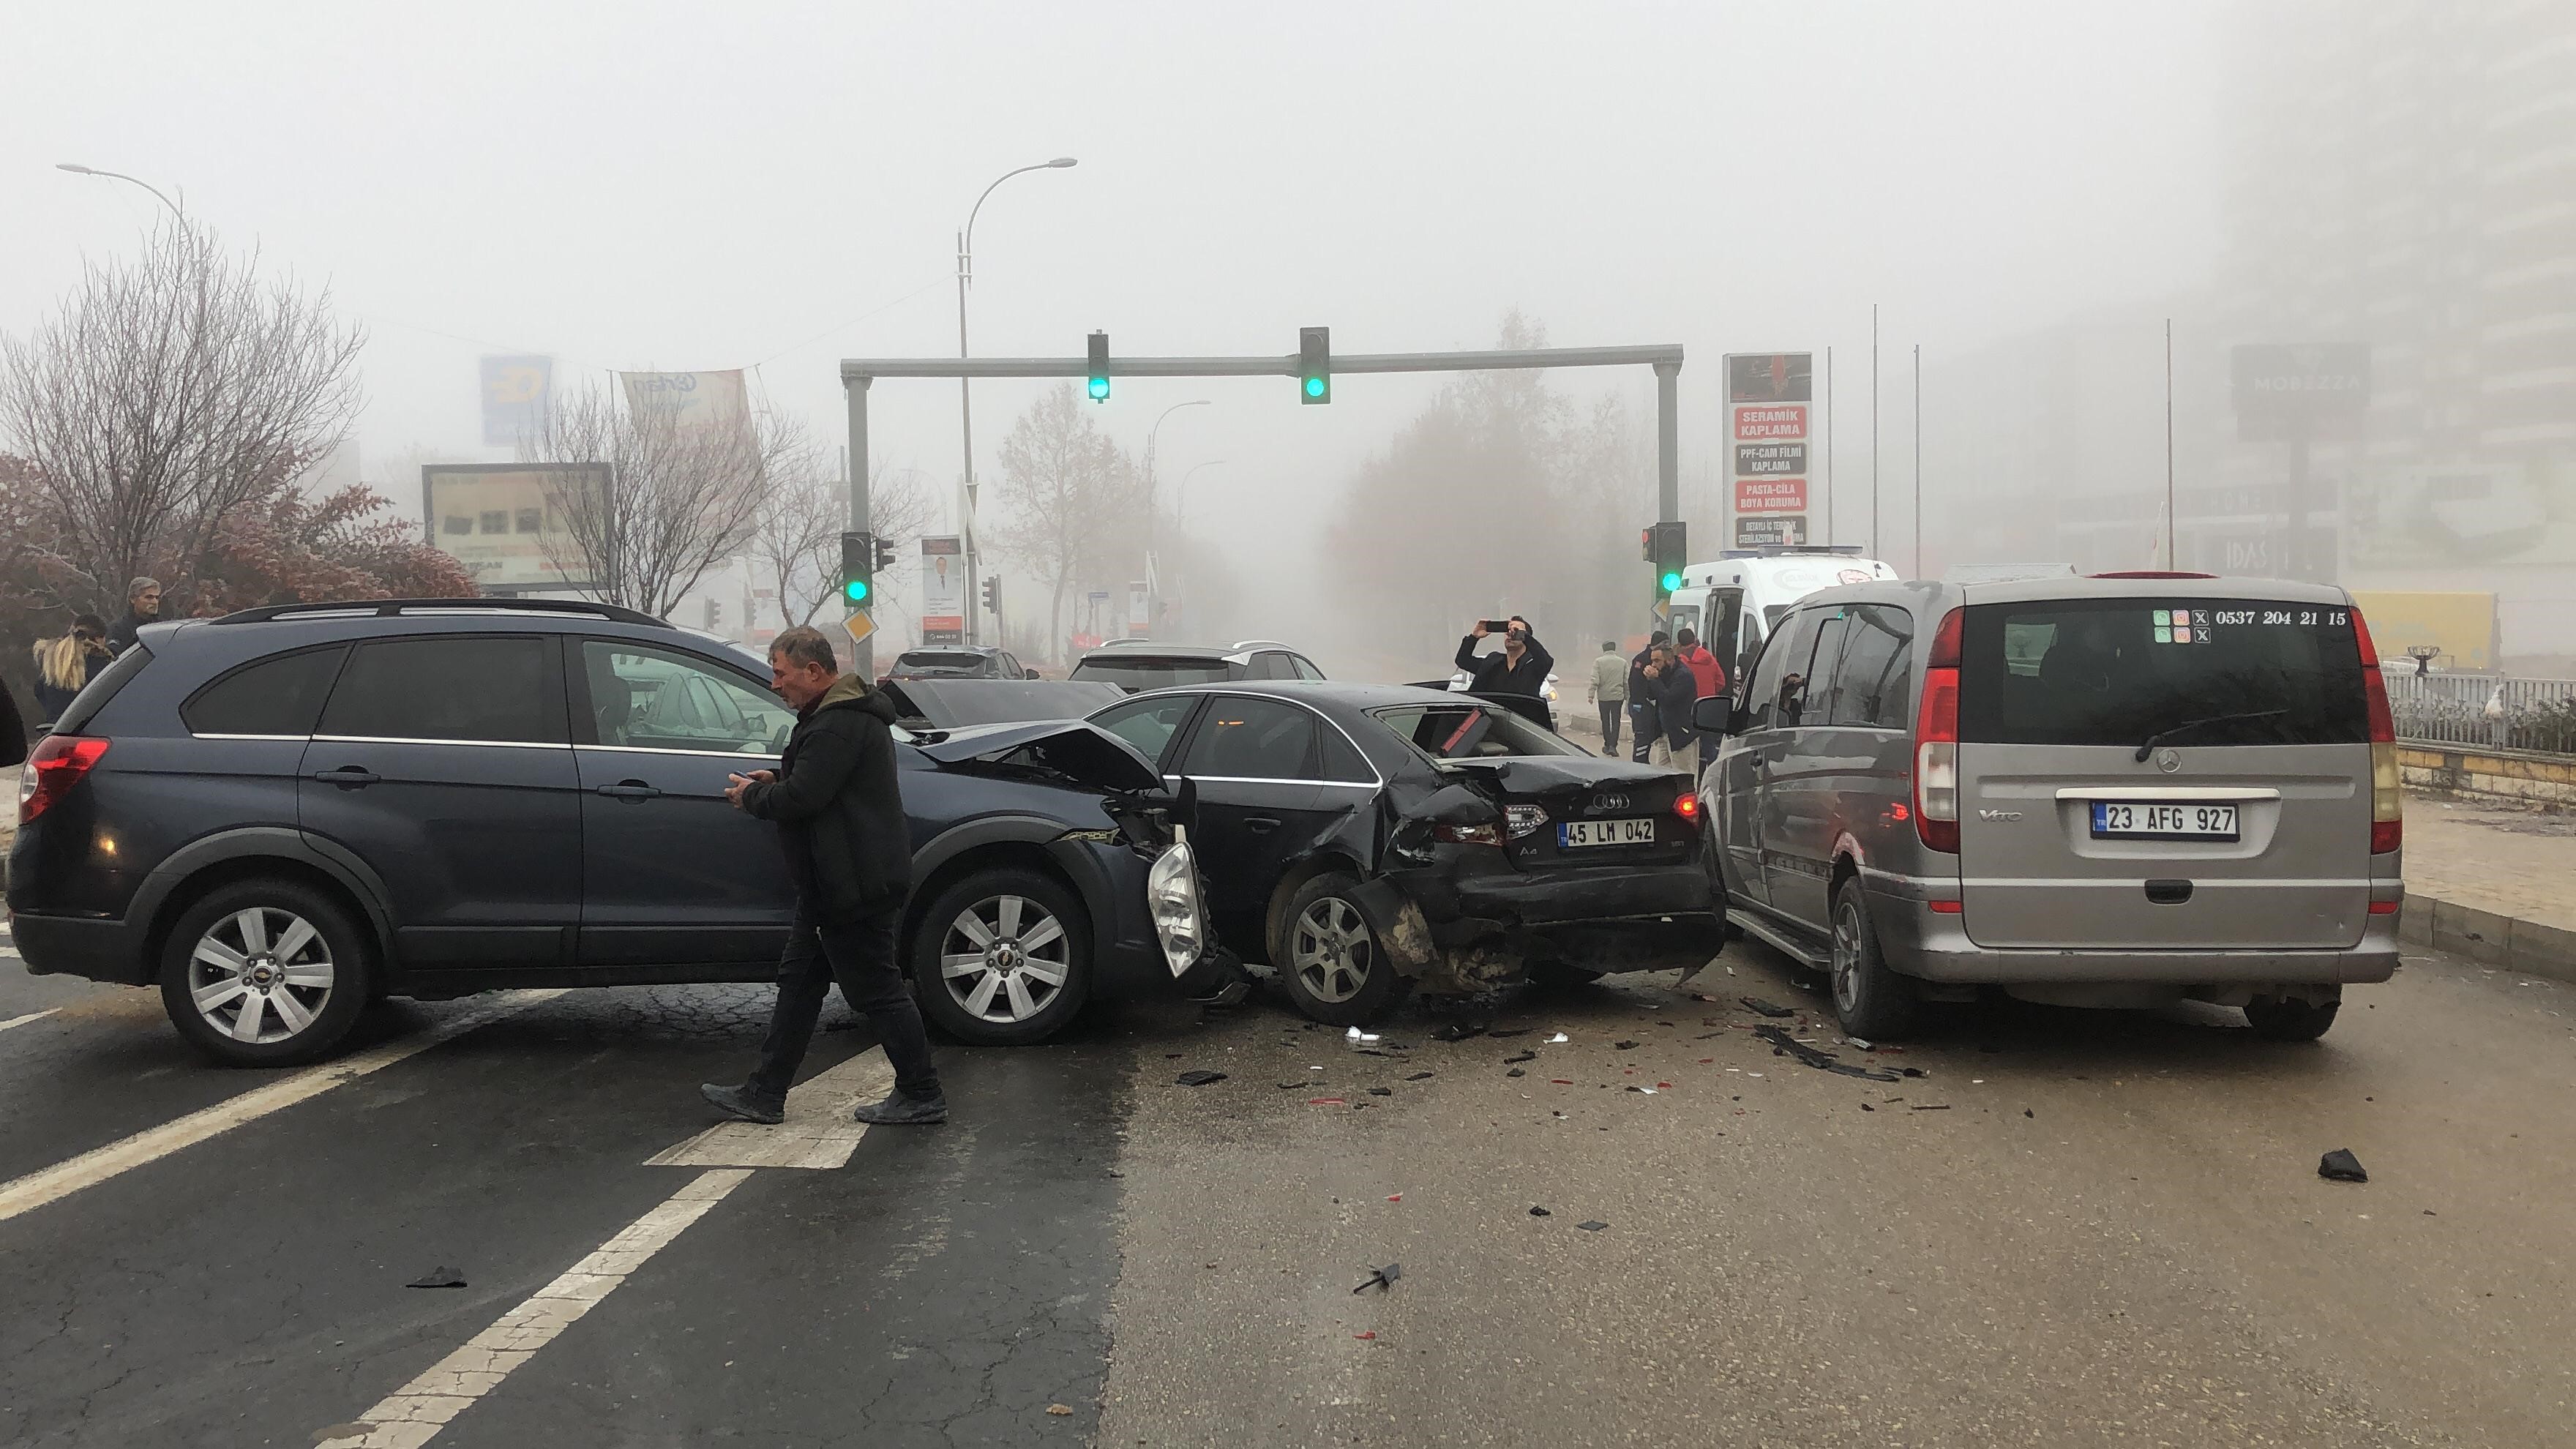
(885, 552)
(1668, 550)
(993, 593)
(858, 570)
(1100, 367)
(1315, 364)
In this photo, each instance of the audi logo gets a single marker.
(1606, 804)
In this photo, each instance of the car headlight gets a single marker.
(1180, 920)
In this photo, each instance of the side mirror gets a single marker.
(1714, 715)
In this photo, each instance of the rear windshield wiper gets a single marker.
(2148, 746)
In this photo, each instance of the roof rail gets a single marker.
(388, 608)
(1260, 644)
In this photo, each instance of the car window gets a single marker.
(1873, 688)
(1816, 703)
(1779, 690)
(1469, 731)
(1147, 723)
(656, 699)
(1252, 739)
(1151, 673)
(1342, 759)
(280, 695)
(450, 687)
(1305, 667)
(2116, 671)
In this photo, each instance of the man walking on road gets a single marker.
(1644, 722)
(1610, 692)
(142, 606)
(1671, 685)
(1521, 667)
(840, 822)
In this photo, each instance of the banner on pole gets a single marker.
(1768, 399)
(943, 590)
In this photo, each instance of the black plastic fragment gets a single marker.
(1457, 1031)
(1511, 1031)
(1783, 1044)
(1523, 1057)
(1623, 1046)
(1381, 1091)
(1594, 1226)
(1381, 1277)
(2341, 1166)
(1419, 1077)
(1767, 1008)
(1197, 1079)
(1517, 1072)
(1539, 1212)
(438, 1278)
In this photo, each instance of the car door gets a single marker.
(1256, 764)
(1802, 808)
(1151, 724)
(1772, 703)
(445, 763)
(672, 874)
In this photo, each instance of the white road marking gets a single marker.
(818, 1132)
(30, 1016)
(413, 1414)
(61, 1180)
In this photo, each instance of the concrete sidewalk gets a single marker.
(2496, 885)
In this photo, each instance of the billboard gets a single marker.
(943, 590)
(2299, 390)
(515, 393)
(1768, 404)
(509, 524)
(2458, 515)
(690, 401)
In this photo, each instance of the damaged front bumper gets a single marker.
(1465, 924)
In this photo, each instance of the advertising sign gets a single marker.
(1770, 495)
(510, 523)
(1768, 397)
(691, 401)
(1139, 616)
(515, 390)
(943, 590)
(2299, 389)
(1777, 530)
(2465, 516)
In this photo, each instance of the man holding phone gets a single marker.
(1521, 667)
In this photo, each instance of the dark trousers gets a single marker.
(858, 954)
(1643, 726)
(1610, 711)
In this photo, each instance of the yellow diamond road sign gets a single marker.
(860, 626)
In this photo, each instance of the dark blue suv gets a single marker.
(279, 815)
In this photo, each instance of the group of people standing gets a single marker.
(1656, 688)
(64, 665)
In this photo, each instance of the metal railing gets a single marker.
(2489, 710)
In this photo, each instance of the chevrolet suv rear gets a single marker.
(2106, 791)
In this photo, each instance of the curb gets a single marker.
(2488, 938)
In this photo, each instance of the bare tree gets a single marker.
(1074, 498)
(677, 500)
(166, 392)
(798, 544)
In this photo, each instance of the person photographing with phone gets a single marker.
(1521, 666)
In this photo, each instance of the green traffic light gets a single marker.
(1099, 389)
(1672, 583)
(1314, 387)
(856, 591)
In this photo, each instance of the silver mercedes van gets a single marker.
(2120, 790)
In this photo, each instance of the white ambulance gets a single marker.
(1733, 603)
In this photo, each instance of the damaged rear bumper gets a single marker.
(1460, 928)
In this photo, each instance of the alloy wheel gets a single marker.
(261, 975)
(1330, 951)
(1005, 959)
(1846, 961)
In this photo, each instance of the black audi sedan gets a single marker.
(278, 815)
(1365, 838)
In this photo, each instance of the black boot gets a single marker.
(743, 1103)
(898, 1110)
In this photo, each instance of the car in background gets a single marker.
(2122, 790)
(957, 661)
(1363, 838)
(1152, 664)
(281, 814)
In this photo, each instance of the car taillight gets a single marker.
(2387, 785)
(1686, 805)
(1523, 819)
(57, 765)
(1936, 741)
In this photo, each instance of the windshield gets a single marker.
(945, 660)
(2118, 671)
(1468, 732)
(1152, 673)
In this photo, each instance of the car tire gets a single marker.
(2277, 1018)
(266, 973)
(1871, 1001)
(983, 952)
(1330, 962)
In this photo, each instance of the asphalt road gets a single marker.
(2073, 1229)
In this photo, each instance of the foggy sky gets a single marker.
(692, 186)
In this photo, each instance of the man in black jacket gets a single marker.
(1520, 668)
(142, 606)
(840, 822)
(1645, 721)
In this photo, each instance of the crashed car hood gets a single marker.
(959, 702)
(1086, 752)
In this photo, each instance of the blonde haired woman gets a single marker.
(64, 665)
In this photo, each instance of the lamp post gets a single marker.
(1181, 498)
(965, 400)
(1153, 575)
(79, 170)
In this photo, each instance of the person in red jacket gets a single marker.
(1707, 673)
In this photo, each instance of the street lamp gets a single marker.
(1181, 499)
(965, 401)
(1153, 576)
(80, 170)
